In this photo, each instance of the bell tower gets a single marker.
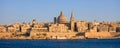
(72, 22)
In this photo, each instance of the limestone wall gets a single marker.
(52, 35)
(98, 35)
(5, 34)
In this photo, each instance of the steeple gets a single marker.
(72, 22)
(72, 17)
(71, 13)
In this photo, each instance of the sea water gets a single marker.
(88, 43)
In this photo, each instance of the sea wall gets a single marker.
(5, 35)
(52, 35)
(98, 35)
(59, 35)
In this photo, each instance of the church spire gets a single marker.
(72, 13)
(72, 16)
(72, 22)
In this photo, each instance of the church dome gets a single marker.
(62, 18)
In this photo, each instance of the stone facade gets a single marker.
(82, 26)
(11, 28)
(61, 28)
(58, 28)
(72, 22)
(25, 27)
(2, 28)
(98, 35)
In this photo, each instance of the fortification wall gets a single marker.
(52, 35)
(5, 35)
(98, 35)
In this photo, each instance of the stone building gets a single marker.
(61, 29)
(117, 29)
(82, 26)
(72, 22)
(92, 28)
(11, 28)
(62, 18)
(58, 28)
(112, 29)
(39, 28)
(17, 26)
(2, 28)
(103, 28)
(116, 26)
(25, 27)
(62, 25)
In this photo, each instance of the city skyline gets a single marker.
(44, 11)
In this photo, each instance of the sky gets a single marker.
(12, 11)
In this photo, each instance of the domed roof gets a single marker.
(62, 18)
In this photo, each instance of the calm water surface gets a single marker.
(90, 43)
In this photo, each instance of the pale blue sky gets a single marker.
(12, 11)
